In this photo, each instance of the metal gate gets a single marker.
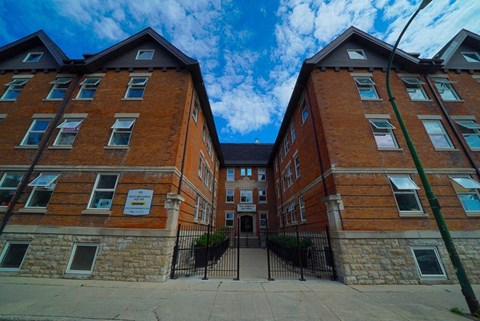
(203, 250)
(299, 252)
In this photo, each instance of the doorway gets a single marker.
(246, 224)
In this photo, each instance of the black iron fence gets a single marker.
(203, 250)
(299, 252)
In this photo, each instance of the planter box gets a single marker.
(289, 254)
(214, 253)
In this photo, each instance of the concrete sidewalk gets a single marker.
(194, 299)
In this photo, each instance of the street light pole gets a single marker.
(467, 290)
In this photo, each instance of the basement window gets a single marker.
(428, 262)
(356, 54)
(82, 259)
(13, 255)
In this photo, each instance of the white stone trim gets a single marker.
(430, 234)
(430, 117)
(379, 116)
(396, 170)
(67, 168)
(75, 115)
(44, 116)
(140, 74)
(127, 115)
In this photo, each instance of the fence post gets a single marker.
(299, 254)
(268, 254)
(206, 253)
(175, 254)
(238, 250)
(331, 253)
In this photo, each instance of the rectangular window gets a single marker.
(404, 190)
(289, 176)
(438, 135)
(304, 110)
(68, 131)
(292, 132)
(277, 188)
(230, 195)
(204, 210)
(200, 167)
(59, 88)
(284, 182)
(471, 132)
(366, 88)
(262, 196)
(196, 110)
(103, 191)
(415, 88)
(263, 220)
(8, 186)
(35, 132)
(467, 191)
(145, 54)
(197, 208)
(296, 162)
(121, 132)
(428, 262)
(14, 88)
(229, 218)
(88, 87)
(204, 132)
(206, 179)
(13, 255)
(230, 174)
(471, 56)
(446, 90)
(262, 174)
(246, 172)
(83, 258)
(136, 87)
(43, 187)
(291, 212)
(286, 145)
(303, 212)
(33, 57)
(383, 133)
(356, 54)
(246, 196)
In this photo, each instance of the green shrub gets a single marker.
(214, 239)
(291, 241)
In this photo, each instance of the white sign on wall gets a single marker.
(246, 207)
(138, 202)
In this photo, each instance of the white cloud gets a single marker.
(108, 28)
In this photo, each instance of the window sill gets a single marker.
(446, 150)
(137, 99)
(82, 99)
(94, 211)
(454, 101)
(7, 100)
(390, 149)
(473, 214)
(413, 214)
(51, 99)
(421, 100)
(475, 149)
(60, 147)
(26, 147)
(365, 99)
(40, 210)
(3, 209)
(9, 270)
(117, 147)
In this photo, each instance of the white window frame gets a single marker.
(72, 256)
(465, 185)
(413, 85)
(32, 131)
(33, 57)
(196, 110)
(9, 189)
(286, 145)
(69, 124)
(443, 133)
(142, 85)
(469, 128)
(227, 219)
(291, 212)
(200, 167)
(247, 171)
(445, 87)
(382, 127)
(204, 211)
(16, 85)
(5, 251)
(366, 84)
(439, 261)
(90, 83)
(60, 84)
(296, 162)
(118, 129)
(262, 174)
(475, 59)
(304, 113)
(353, 52)
(403, 190)
(141, 51)
(96, 189)
(196, 209)
(288, 175)
(301, 206)
(292, 132)
(246, 196)
(262, 196)
(230, 174)
(230, 192)
(42, 186)
(263, 220)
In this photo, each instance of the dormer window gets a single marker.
(471, 56)
(356, 54)
(145, 54)
(33, 57)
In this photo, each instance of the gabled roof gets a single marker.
(32, 40)
(449, 50)
(246, 154)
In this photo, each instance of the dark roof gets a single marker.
(451, 48)
(246, 154)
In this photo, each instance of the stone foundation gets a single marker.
(386, 258)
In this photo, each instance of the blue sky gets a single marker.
(250, 52)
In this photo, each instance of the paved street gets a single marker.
(194, 299)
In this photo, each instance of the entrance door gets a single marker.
(246, 224)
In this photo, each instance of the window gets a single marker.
(121, 132)
(8, 186)
(82, 259)
(246, 172)
(291, 212)
(88, 87)
(303, 213)
(471, 56)
(383, 133)
(286, 145)
(136, 87)
(230, 174)
(445, 88)
(33, 57)
(35, 132)
(366, 88)
(438, 135)
(263, 220)
(415, 88)
(42, 190)
(284, 181)
(13, 255)
(292, 132)
(304, 110)
(277, 188)
(206, 179)
(59, 88)
(288, 176)
(296, 162)
(230, 195)
(68, 131)
(102, 194)
(471, 132)
(145, 54)
(356, 54)
(197, 208)
(246, 196)
(467, 191)
(229, 217)
(262, 196)
(200, 167)
(428, 262)
(204, 210)
(14, 88)
(196, 109)
(404, 190)
(262, 174)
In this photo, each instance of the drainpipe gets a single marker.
(41, 148)
(213, 191)
(186, 140)
(451, 122)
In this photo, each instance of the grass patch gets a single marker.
(456, 311)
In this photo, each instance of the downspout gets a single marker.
(213, 192)
(186, 140)
(41, 147)
(451, 122)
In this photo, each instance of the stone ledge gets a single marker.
(403, 235)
